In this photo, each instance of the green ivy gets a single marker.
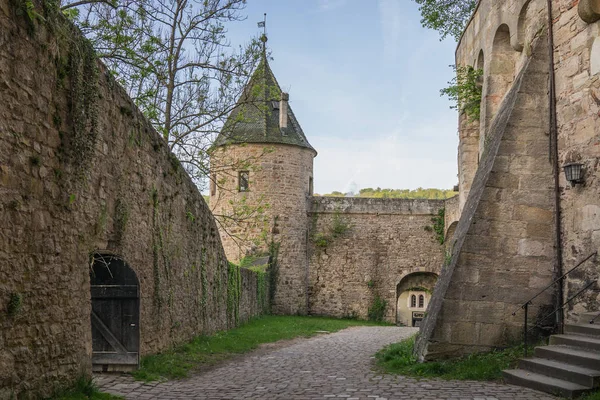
(465, 90)
(439, 225)
(273, 269)
(338, 228)
(203, 281)
(121, 219)
(234, 291)
(377, 309)
(15, 304)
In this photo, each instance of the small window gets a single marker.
(213, 184)
(413, 301)
(310, 186)
(243, 181)
(421, 301)
(275, 105)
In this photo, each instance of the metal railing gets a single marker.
(525, 306)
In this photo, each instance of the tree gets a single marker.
(465, 91)
(175, 61)
(449, 17)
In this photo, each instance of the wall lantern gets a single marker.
(574, 173)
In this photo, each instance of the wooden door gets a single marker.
(115, 315)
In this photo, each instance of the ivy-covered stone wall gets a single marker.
(360, 249)
(82, 171)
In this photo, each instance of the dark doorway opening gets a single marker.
(115, 315)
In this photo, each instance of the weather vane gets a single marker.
(263, 38)
(263, 24)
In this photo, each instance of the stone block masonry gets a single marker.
(577, 51)
(361, 248)
(503, 250)
(82, 171)
(279, 182)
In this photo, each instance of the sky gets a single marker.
(364, 80)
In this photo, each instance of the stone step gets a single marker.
(570, 355)
(583, 329)
(557, 369)
(544, 383)
(586, 342)
(586, 317)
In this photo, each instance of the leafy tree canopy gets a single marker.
(448, 17)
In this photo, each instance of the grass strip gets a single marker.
(591, 396)
(208, 350)
(83, 389)
(398, 358)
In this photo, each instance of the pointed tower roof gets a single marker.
(255, 118)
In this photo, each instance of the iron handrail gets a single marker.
(594, 319)
(569, 300)
(525, 306)
(522, 306)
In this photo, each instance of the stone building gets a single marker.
(522, 224)
(336, 256)
(517, 224)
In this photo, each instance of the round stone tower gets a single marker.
(261, 182)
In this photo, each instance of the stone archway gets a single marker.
(413, 293)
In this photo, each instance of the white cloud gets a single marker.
(398, 160)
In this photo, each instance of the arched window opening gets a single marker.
(413, 301)
(421, 301)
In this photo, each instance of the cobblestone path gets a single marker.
(337, 365)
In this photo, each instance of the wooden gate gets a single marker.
(115, 315)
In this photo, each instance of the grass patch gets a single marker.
(591, 396)
(398, 358)
(208, 350)
(83, 389)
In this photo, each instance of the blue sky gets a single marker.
(364, 80)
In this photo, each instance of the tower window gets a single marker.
(243, 181)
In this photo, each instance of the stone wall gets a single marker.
(380, 242)
(279, 184)
(82, 171)
(451, 217)
(505, 239)
(577, 69)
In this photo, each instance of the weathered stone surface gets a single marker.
(385, 241)
(491, 247)
(280, 183)
(128, 196)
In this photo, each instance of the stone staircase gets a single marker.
(569, 366)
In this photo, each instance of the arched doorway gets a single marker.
(413, 293)
(115, 314)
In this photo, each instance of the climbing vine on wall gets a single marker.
(273, 269)
(75, 59)
(465, 90)
(15, 304)
(439, 225)
(234, 291)
(377, 308)
(339, 226)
